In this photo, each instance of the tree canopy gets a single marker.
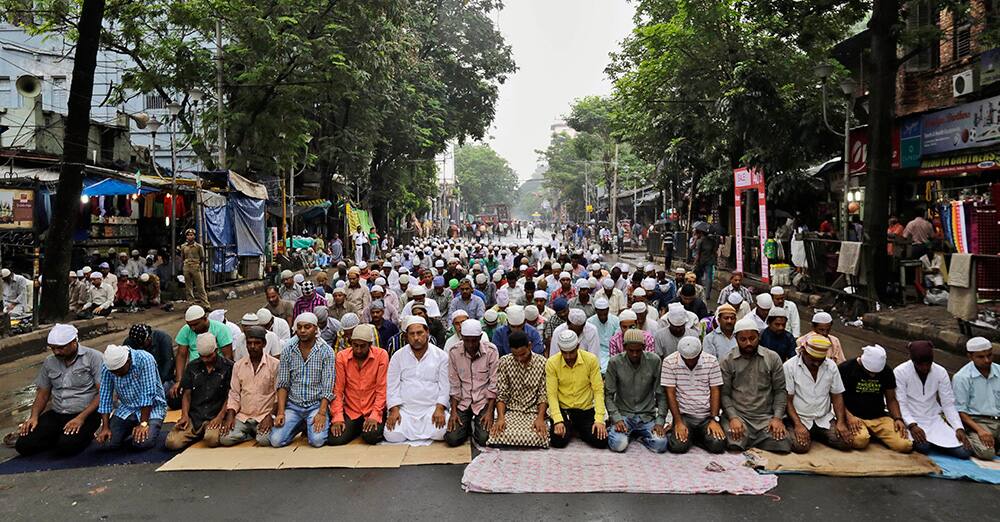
(483, 177)
(364, 92)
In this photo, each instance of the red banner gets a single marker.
(859, 149)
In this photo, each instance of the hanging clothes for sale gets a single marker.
(959, 227)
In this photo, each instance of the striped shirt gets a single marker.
(137, 389)
(616, 344)
(694, 387)
(307, 381)
(307, 303)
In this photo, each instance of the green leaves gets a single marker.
(483, 177)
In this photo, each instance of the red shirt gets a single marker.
(359, 392)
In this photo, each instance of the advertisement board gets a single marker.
(975, 124)
(17, 209)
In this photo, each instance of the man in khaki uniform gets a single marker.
(193, 255)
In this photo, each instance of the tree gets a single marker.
(483, 177)
(704, 86)
(59, 241)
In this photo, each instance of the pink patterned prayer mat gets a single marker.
(581, 469)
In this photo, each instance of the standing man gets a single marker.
(927, 403)
(360, 240)
(692, 383)
(521, 397)
(70, 379)
(305, 386)
(130, 375)
(814, 385)
(977, 397)
(575, 391)
(359, 390)
(417, 387)
(472, 374)
(635, 401)
(206, 389)
(754, 394)
(251, 404)
(870, 389)
(193, 256)
(705, 260)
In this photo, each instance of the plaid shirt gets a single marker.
(307, 303)
(307, 381)
(139, 388)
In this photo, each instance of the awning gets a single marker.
(247, 187)
(113, 187)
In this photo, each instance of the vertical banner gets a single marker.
(765, 265)
(751, 179)
(739, 230)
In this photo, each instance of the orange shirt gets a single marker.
(359, 392)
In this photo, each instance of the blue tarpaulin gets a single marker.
(248, 224)
(219, 232)
(112, 187)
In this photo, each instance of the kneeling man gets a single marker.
(417, 388)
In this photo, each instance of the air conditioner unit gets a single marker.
(963, 83)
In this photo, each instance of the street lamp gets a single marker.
(848, 87)
(153, 125)
(196, 95)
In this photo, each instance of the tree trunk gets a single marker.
(59, 243)
(885, 15)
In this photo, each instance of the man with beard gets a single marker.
(417, 388)
(70, 380)
(278, 307)
(359, 390)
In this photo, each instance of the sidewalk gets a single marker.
(17, 346)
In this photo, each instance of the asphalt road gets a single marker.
(435, 493)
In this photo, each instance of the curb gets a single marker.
(15, 347)
(948, 340)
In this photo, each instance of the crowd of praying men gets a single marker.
(511, 346)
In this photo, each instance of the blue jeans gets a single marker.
(636, 428)
(707, 280)
(121, 433)
(298, 419)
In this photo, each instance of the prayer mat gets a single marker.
(987, 472)
(172, 417)
(579, 468)
(90, 457)
(874, 461)
(299, 455)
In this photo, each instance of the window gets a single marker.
(922, 19)
(60, 94)
(155, 101)
(6, 91)
(962, 39)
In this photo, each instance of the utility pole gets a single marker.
(586, 190)
(218, 95)
(614, 194)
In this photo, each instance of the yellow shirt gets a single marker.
(577, 387)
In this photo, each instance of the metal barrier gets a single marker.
(247, 268)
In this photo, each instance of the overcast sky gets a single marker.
(561, 49)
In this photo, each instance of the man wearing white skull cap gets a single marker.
(870, 390)
(692, 381)
(131, 376)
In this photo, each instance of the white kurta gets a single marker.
(925, 402)
(417, 387)
(793, 325)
